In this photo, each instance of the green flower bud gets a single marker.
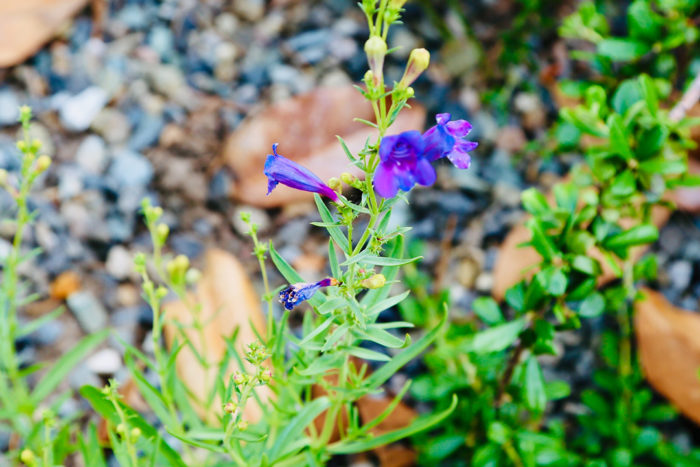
(182, 262)
(135, 433)
(348, 178)
(375, 48)
(238, 378)
(27, 457)
(193, 276)
(36, 145)
(230, 407)
(377, 281)
(43, 163)
(25, 114)
(266, 376)
(418, 62)
(161, 292)
(162, 231)
(242, 425)
(121, 429)
(334, 184)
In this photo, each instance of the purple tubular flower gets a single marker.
(302, 291)
(445, 140)
(279, 169)
(402, 164)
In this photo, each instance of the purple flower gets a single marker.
(279, 169)
(445, 139)
(402, 164)
(299, 292)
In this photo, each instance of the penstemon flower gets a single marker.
(445, 140)
(302, 291)
(402, 164)
(279, 169)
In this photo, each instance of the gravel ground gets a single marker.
(142, 110)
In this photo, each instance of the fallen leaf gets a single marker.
(228, 301)
(305, 126)
(369, 408)
(25, 25)
(64, 284)
(670, 350)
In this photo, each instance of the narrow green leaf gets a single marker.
(639, 235)
(535, 394)
(387, 370)
(297, 425)
(421, 424)
(497, 338)
(387, 303)
(382, 337)
(64, 365)
(333, 260)
(35, 324)
(336, 234)
(367, 354)
(319, 329)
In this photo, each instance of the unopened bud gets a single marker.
(25, 113)
(22, 146)
(182, 262)
(36, 145)
(162, 230)
(27, 456)
(161, 292)
(238, 378)
(266, 375)
(43, 163)
(418, 62)
(396, 4)
(334, 184)
(377, 281)
(230, 407)
(121, 429)
(242, 425)
(192, 276)
(135, 433)
(348, 178)
(375, 48)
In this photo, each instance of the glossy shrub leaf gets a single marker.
(639, 235)
(626, 95)
(553, 280)
(535, 394)
(586, 265)
(619, 140)
(487, 310)
(497, 338)
(592, 306)
(622, 50)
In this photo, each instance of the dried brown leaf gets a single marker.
(306, 127)
(228, 301)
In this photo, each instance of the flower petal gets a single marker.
(425, 173)
(384, 181)
(459, 128)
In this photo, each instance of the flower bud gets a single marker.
(192, 276)
(230, 407)
(21, 145)
(334, 184)
(182, 262)
(162, 231)
(266, 376)
(161, 292)
(375, 48)
(238, 378)
(135, 433)
(418, 62)
(121, 429)
(348, 178)
(377, 281)
(25, 113)
(27, 457)
(396, 4)
(36, 145)
(43, 163)
(242, 425)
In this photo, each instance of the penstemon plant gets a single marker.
(316, 377)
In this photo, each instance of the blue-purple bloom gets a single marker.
(279, 169)
(446, 140)
(402, 164)
(301, 291)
